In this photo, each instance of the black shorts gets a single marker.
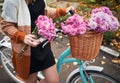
(41, 58)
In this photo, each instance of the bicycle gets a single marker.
(83, 74)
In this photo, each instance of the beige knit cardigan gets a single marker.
(15, 22)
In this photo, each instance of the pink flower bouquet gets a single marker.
(102, 20)
(74, 25)
(45, 27)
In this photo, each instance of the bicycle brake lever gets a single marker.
(41, 39)
(71, 12)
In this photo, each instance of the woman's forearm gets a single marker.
(11, 30)
(55, 12)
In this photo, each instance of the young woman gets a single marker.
(18, 21)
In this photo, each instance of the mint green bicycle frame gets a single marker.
(62, 59)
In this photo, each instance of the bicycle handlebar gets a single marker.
(71, 12)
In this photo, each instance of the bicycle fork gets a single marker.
(85, 77)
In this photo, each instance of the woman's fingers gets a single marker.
(32, 37)
(35, 43)
(31, 40)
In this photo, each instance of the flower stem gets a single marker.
(34, 32)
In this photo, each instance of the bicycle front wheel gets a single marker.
(98, 77)
(6, 60)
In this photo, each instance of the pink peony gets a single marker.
(102, 20)
(46, 27)
(74, 25)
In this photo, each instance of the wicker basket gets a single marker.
(87, 46)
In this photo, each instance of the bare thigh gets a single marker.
(51, 75)
(32, 78)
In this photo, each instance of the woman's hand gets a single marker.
(31, 40)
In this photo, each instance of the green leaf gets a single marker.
(92, 0)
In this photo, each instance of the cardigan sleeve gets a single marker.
(55, 12)
(10, 29)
